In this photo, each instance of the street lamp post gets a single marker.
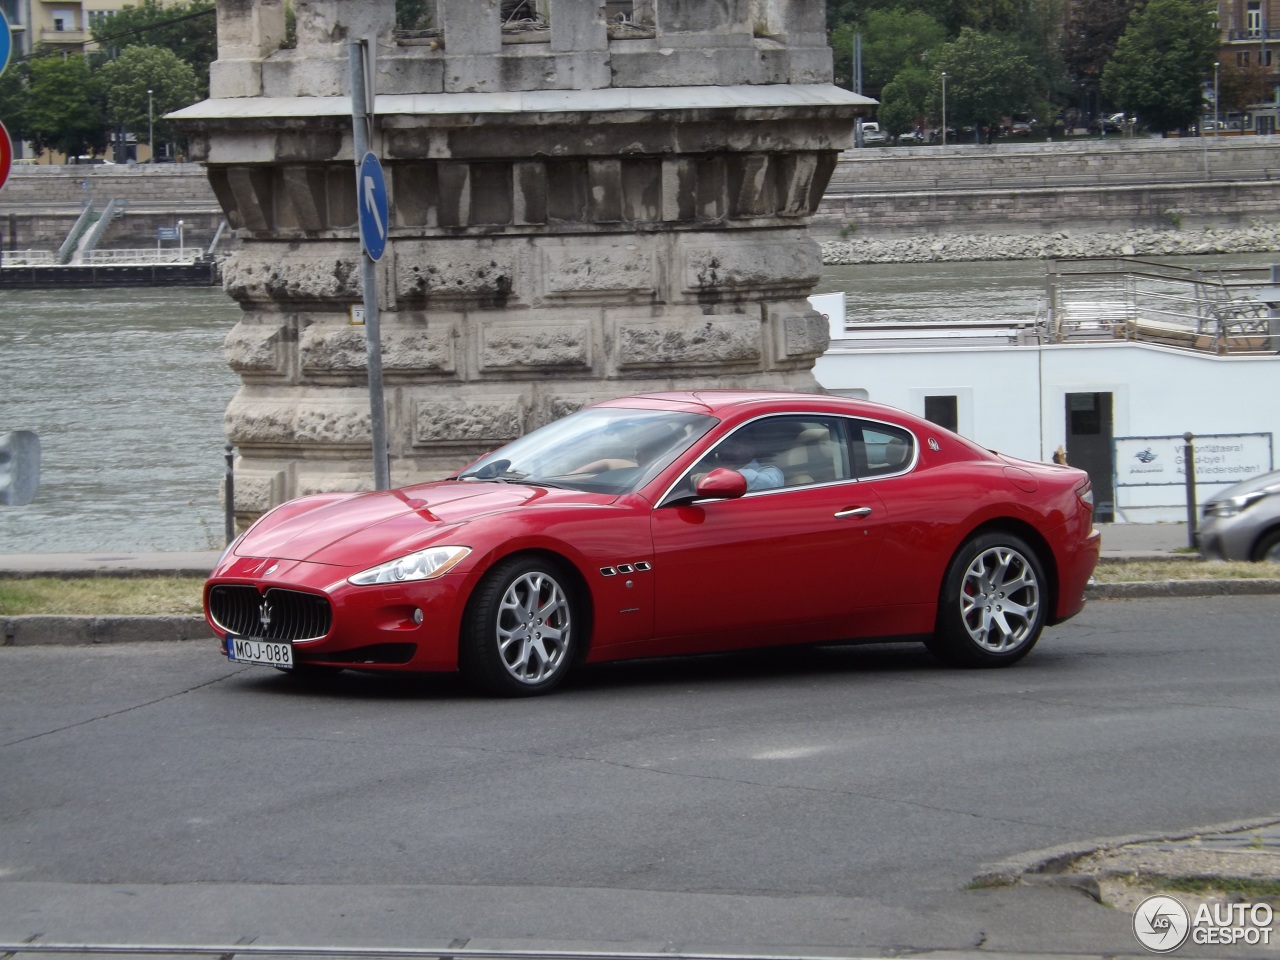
(181, 252)
(944, 108)
(151, 142)
(1216, 117)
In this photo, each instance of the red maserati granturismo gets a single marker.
(668, 524)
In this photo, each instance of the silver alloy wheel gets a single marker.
(533, 627)
(1000, 599)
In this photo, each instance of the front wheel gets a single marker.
(993, 603)
(1268, 549)
(518, 635)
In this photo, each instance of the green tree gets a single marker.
(1162, 62)
(188, 29)
(1093, 29)
(987, 80)
(13, 99)
(904, 100)
(142, 85)
(1239, 87)
(65, 109)
(895, 39)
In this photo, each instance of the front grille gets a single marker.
(274, 615)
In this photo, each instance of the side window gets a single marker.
(789, 451)
(882, 450)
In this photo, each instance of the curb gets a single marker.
(51, 631)
(1180, 588)
(63, 631)
(1053, 861)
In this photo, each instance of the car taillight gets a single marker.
(1085, 493)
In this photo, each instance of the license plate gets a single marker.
(268, 653)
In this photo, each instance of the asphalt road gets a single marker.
(822, 799)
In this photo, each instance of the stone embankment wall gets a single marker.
(904, 204)
(1114, 185)
(40, 203)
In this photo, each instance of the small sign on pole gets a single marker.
(374, 212)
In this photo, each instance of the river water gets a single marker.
(127, 389)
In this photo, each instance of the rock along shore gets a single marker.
(1258, 237)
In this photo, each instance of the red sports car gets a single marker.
(668, 524)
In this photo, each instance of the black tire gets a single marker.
(520, 630)
(993, 604)
(1268, 547)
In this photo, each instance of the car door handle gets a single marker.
(854, 512)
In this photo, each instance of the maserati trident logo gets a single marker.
(264, 614)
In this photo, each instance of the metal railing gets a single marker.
(1220, 311)
(27, 258)
(143, 255)
(1213, 174)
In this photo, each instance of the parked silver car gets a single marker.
(1243, 521)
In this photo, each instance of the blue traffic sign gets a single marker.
(6, 42)
(371, 191)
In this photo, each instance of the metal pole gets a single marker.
(1274, 313)
(151, 132)
(1189, 472)
(230, 497)
(1217, 118)
(944, 108)
(369, 274)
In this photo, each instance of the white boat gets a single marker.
(1124, 359)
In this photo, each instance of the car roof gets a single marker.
(724, 402)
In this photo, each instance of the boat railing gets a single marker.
(1221, 311)
(921, 333)
(144, 255)
(28, 258)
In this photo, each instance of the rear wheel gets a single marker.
(1268, 548)
(993, 605)
(518, 635)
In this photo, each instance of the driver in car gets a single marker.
(738, 454)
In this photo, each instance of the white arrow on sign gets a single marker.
(371, 203)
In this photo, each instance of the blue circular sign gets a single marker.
(6, 42)
(371, 196)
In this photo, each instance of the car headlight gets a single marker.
(423, 565)
(1233, 505)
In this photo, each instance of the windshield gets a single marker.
(600, 449)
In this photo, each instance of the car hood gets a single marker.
(1269, 482)
(372, 527)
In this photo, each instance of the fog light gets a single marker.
(417, 615)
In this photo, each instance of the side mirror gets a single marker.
(722, 484)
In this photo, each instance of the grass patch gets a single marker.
(1183, 568)
(1242, 886)
(100, 596)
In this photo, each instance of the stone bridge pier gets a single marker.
(587, 199)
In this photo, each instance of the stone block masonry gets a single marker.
(580, 208)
